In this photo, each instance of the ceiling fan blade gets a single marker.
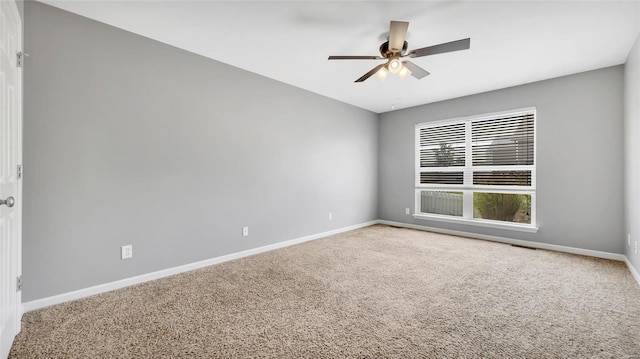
(397, 33)
(370, 73)
(416, 71)
(356, 58)
(463, 44)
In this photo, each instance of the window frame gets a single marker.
(468, 188)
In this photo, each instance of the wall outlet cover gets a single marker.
(126, 251)
(245, 231)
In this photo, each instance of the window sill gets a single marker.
(479, 223)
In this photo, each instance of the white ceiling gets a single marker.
(511, 42)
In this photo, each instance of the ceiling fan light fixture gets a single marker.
(404, 73)
(382, 74)
(394, 65)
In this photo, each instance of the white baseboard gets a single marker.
(86, 292)
(632, 269)
(102, 288)
(553, 247)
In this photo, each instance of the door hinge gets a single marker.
(20, 58)
(19, 284)
(19, 171)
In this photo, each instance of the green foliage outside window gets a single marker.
(444, 155)
(503, 206)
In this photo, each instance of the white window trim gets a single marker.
(478, 222)
(467, 189)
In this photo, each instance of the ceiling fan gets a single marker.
(395, 50)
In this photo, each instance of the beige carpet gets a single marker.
(377, 292)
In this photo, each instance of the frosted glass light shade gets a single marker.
(382, 74)
(395, 66)
(404, 72)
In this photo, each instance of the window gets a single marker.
(478, 170)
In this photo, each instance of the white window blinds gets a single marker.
(495, 150)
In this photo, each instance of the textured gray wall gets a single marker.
(632, 152)
(130, 141)
(579, 126)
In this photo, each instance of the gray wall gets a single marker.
(579, 126)
(130, 141)
(632, 152)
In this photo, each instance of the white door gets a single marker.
(10, 186)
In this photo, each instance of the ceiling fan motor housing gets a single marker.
(386, 53)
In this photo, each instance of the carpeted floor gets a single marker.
(377, 292)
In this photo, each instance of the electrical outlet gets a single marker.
(629, 239)
(245, 231)
(635, 247)
(330, 215)
(407, 211)
(126, 251)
